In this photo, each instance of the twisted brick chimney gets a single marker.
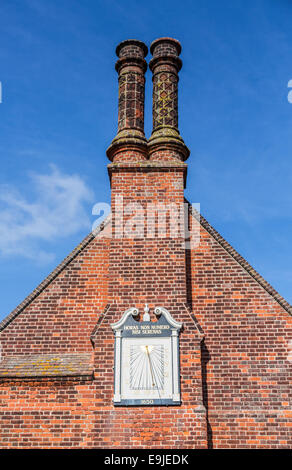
(165, 137)
(131, 67)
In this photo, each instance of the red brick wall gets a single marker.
(246, 371)
(242, 363)
(146, 269)
(59, 414)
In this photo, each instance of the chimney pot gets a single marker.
(165, 45)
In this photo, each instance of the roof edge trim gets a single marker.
(241, 261)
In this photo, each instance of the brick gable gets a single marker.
(57, 346)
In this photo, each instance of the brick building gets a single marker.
(63, 371)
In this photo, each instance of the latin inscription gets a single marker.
(146, 329)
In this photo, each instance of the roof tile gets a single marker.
(46, 365)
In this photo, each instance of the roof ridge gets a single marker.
(241, 261)
(61, 266)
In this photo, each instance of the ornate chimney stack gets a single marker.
(131, 67)
(165, 142)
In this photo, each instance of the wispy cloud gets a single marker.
(56, 211)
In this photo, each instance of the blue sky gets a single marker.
(59, 114)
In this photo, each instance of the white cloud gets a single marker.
(57, 210)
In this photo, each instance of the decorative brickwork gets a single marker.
(165, 66)
(131, 67)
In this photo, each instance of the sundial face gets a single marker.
(146, 362)
(147, 366)
(146, 371)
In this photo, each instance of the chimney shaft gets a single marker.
(131, 67)
(165, 66)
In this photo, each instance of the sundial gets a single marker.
(146, 359)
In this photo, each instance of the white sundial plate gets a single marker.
(146, 368)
